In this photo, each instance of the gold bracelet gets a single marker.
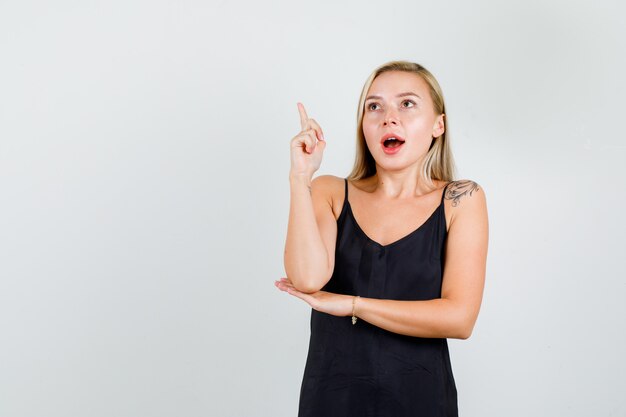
(353, 304)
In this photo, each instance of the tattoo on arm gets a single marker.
(458, 189)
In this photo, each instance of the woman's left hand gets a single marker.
(326, 302)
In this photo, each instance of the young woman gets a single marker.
(391, 259)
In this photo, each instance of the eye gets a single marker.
(369, 106)
(409, 101)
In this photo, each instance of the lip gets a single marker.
(391, 151)
(391, 135)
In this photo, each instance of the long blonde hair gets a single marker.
(438, 163)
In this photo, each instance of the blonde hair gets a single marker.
(438, 162)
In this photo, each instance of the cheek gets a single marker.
(371, 141)
(420, 128)
(369, 131)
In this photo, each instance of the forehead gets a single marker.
(390, 83)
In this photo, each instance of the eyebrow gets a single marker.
(408, 93)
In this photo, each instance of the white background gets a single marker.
(144, 196)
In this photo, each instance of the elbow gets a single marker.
(307, 282)
(464, 334)
(308, 287)
(460, 325)
(311, 285)
(304, 284)
(464, 330)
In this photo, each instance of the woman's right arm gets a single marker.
(311, 231)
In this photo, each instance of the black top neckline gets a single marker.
(395, 242)
(348, 209)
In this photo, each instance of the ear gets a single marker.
(439, 126)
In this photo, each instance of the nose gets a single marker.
(390, 118)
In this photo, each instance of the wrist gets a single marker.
(300, 179)
(354, 308)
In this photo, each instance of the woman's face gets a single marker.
(398, 104)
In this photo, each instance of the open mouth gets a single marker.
(392, 142)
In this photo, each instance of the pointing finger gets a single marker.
(303, 115)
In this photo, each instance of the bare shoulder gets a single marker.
(330, 188)
(467, 199)
(465, 192)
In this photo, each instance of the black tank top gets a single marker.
(365, 371)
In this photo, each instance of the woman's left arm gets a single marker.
(455, 313)
(451, 316)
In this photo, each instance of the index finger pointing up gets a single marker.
(303, 115)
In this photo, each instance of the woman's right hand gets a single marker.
(307, 147)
